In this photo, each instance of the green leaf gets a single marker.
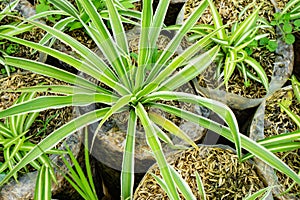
(171, 128)
(42, 8)
(127, 174)
(219, 108)
(282, 138)
(265, 192)
(56, 136)
(289, 38)
(292, 115)
(297, 23)
(156, 148)
(217, 21)
(118, 105)
(48, 102)
(288, 6)
(175, 42)
(58, 89)
(191, 70)
(230, 64)
(272, 45)
(179, 60)
(296, 87)
(65, 6)
(50, 71)
(245, 26)
(160, 181)
(275, 148)
(200, 185)
(182, 185)
(287, 27)
(43, 184)
(101, 36)
(117, 27)
(144, 43)
(264, 41)
(259, 70)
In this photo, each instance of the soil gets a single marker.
(277, 122)
(223, 176)
(229, 11)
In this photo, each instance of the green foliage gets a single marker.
(130, 86)
(271, 45)
(15, 144)
(45, 123)
(237, 45)
(76, 176)
(287, 101)
(288, 21)
(100, 6)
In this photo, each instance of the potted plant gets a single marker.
(22, 133)
(128, 87)
(277, 120)
(246, 70)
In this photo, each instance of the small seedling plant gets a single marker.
(236, 45)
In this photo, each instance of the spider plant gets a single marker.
(129, 87)
(286, 141)
(235, 43)
(15, 144)
(76, 177)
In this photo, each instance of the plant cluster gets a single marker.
(237, 41)
(15, 144)
(134, 83)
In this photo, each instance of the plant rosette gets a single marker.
(110, 140)
(45, 122)
(270, 121)
(240, 86)
(221, 174)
